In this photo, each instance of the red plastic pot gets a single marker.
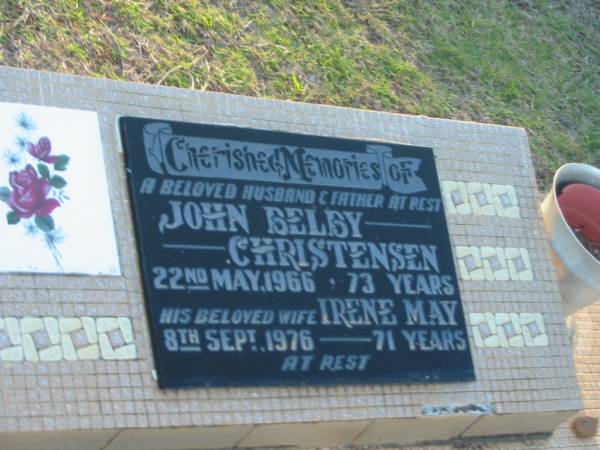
(580, 205)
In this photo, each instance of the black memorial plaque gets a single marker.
(273, 258)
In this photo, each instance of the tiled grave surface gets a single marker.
(587, 360)
(495, 220)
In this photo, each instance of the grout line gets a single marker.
(460, 435)
(367, 428)
(252, 428)
(112, 439)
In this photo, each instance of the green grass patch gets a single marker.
(530, 63)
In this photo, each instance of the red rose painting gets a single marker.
(30, 194)
(42, 150)
(34, 193)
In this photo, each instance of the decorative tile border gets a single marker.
(66, 338)
(495, 330)
(480, 199)
(493, 263)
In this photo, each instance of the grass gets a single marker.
(528, 63)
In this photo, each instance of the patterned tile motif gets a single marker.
(494, 330)
(480, 199)
(493, 263)
(66, 339)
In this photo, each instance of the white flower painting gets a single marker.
(55, 214)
